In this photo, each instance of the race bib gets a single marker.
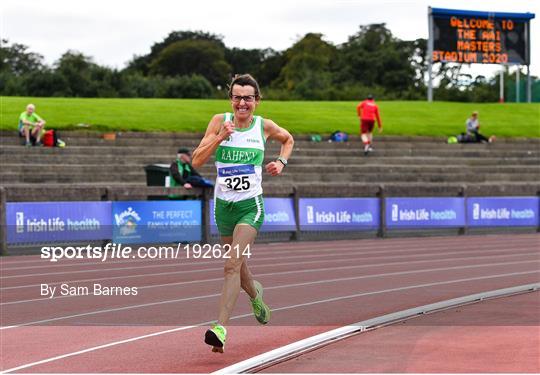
(237, 178)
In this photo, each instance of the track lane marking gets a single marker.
(137, 338)
(308, 246)
(185, 299)
(192, 261)
(277, 273)
(258, 265)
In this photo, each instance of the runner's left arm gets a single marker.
(274, 131)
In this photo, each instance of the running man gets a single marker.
(238, 141)
(368, 112)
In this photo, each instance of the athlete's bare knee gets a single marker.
(232, 266)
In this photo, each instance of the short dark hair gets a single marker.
(183, 150)
(245, 80)
(370, 96)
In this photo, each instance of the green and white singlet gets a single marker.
(239, 162)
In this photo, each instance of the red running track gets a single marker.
(493, 336)
(311, 287)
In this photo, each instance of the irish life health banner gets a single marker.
(425, 212)
(278, 216)
(29, 222)
(502, 211)
(334, 214)
(156, 221)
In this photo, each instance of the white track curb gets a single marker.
(324, 338)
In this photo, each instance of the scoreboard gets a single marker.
(480, 37)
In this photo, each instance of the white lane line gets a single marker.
(191, 262)
(309, 246)
(220, 261)
(283, 273)
(115, 343)
(45, 263)
(303, 262)
(316, 248)
(179, 264)
(262, 247)
(309, 283)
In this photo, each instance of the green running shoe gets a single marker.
(260, 309)
(216, 337)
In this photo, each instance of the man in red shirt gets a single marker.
(368, 112)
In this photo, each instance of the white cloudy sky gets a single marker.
(112, 31)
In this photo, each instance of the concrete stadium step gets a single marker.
(190, 143)
(39, 178)
(97, 191)
(142, 160)
(402, 161)
(368, 178)
(402, 177)
(82, 136)
(411, 177)
(173, 143)
(271, 184)
(125, 151)
(293, 168)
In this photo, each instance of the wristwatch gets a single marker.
(283, 161)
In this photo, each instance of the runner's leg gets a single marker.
(243, 236)
(246, 278)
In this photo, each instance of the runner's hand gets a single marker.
(380, 130)
(226, 130)
(274, 168)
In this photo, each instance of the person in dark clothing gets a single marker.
(183, 174)
(473, 130)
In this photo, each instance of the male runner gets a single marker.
(368, 112)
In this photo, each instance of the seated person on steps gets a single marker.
(183, 174)
(473, 130)
(31, 126)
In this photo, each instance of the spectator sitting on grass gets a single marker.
(31, 126)
(183, 174)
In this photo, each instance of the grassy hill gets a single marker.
(192, 115)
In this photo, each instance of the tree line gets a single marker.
(188, 64)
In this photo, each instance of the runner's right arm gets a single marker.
(215, 134)
(379, 122)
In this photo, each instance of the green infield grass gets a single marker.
(192, 115)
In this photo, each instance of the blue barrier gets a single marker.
(29, 222)
(157, 221)
(181, 221)
(331, 214)
(424, 212)
(502, 211)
